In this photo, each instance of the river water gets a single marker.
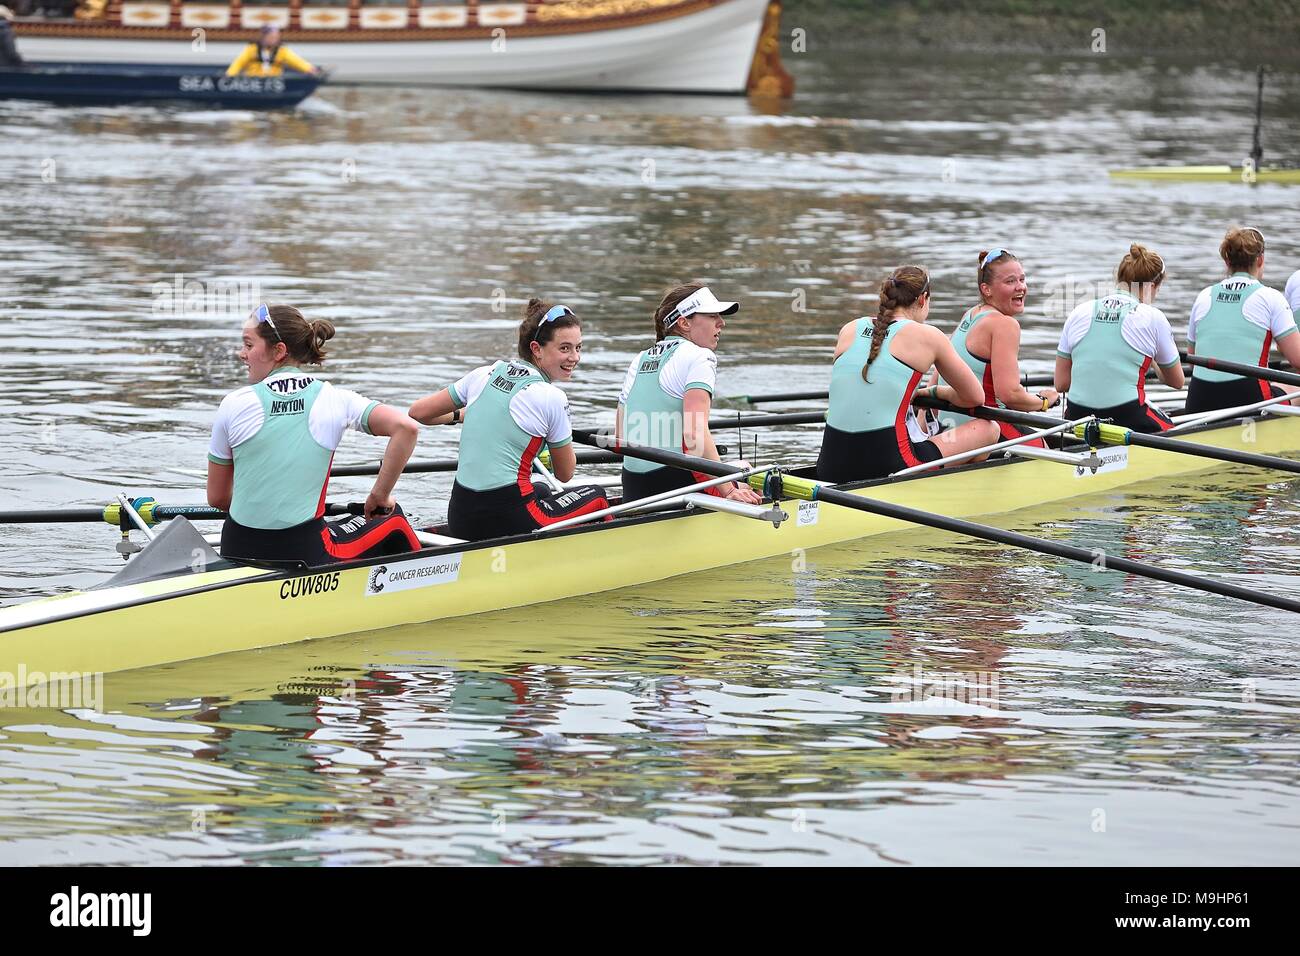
(762, 714)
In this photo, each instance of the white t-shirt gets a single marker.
(241, 416)
(1293, 294)
(540, 409)
(690, 366)
(1146, 330)
(1266, 308)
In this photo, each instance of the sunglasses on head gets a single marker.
(1256, 232)
(263, 314)
(992, 255)
(555, 312)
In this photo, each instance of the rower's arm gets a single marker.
(696, 405)
(435, 409)
(221, 485)
(402, 433)
(1004, 356)
(1061, 377)
(1289, 346)
(963, 389)
(564, 461)
(1173, 375)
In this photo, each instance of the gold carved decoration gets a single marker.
(589, 9)
(767, 77)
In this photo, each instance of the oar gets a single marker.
(1029, 381)
(1117, 435)
(1236, 368)
(449, 464)
(152, 512)
(803, 488)
(1257, 147)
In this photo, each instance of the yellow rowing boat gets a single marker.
(1210, 174)
(218, 607)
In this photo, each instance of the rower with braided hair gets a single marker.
(871, 430)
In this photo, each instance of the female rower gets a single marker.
(1237, 320)
(273, 442)
(871, 430)
(511, 410)
(1108, 345)
(988, 340)
(668, 393)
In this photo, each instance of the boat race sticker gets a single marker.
(1114, 458)
(807, 513)
(409, 575)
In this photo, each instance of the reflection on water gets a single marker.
(906, 700)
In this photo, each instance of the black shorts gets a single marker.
(479, 515)
(319, 542)
(858, 456)
(644, 484)
(1134, 415)
(1206, 396)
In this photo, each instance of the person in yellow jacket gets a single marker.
(267, 58)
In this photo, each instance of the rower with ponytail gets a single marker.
(1239, 319)
(988, 339)
(273, 442)
(871, 430)
(1109, 344)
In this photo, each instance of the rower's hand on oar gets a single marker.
(1051, 397)
(745, 494)
(379, 507)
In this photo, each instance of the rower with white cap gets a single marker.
(668, 393)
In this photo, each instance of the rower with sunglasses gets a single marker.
(511, 411)
(668, 393)
(1238, 319)
(988, 340)
(273, 442)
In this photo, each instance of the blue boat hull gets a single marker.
(103, 84)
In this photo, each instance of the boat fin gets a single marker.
(178, 548)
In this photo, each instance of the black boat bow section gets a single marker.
(107, 84)
(1097, 558)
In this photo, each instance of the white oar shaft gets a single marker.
(549, 478)
(1202, 418)
(989, 449)
(143, 525)
(674, 495)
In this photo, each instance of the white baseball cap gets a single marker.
(702, 300)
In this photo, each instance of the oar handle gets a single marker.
(1117, 435)
(607, 440)
(1237, 368)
